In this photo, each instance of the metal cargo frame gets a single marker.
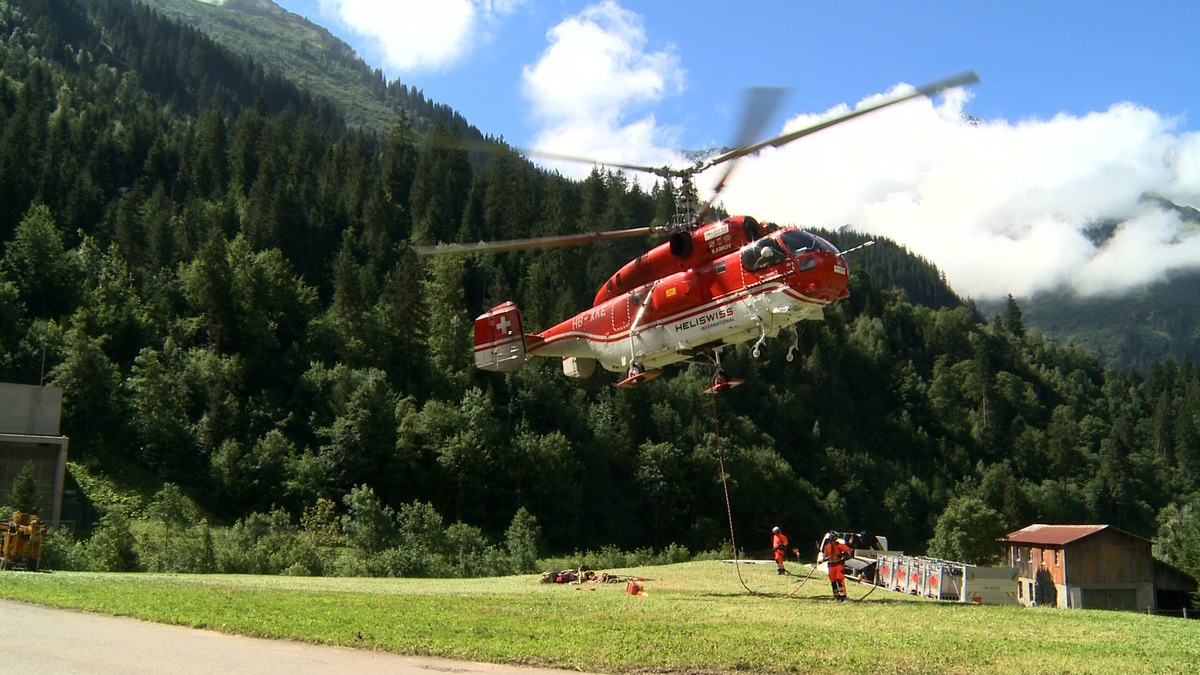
(946, 580)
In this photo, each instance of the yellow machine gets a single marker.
(21, 547)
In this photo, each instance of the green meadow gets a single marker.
(698, 617)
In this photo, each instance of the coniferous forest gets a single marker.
(260, 375)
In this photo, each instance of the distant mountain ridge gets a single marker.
(314, 59)
(1129, 332)
(1132, 330)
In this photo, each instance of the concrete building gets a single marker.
(29, 431)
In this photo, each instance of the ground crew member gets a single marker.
(834, 554)
(779, 542)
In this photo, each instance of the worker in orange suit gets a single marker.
(779, 542)
(835, 553)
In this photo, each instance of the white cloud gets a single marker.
(413, 35)
(596, 68)
(1000, 207)
(1143, 250)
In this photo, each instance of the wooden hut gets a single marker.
(1084, 566)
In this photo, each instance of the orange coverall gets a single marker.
(779, 542)
(836, 553)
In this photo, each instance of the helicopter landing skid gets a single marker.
(638, 378)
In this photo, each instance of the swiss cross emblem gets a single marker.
(503, 324)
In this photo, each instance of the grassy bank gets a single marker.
(696, 618)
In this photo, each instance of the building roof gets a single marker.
(1058, 535)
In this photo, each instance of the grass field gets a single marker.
(695, 618)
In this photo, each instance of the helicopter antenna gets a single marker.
(865, 244)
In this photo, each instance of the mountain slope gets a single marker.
(218, 278)
(894, 266)
(1132, 330)
(1126, 332)
(312, 58)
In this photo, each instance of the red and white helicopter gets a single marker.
(707, 286)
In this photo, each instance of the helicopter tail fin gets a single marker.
(500, 339)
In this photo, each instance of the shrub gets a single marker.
(268, 544)
(112, 547)
(62, 551)
(368, 524)
(610, 557)
(521, 540)
(24, 494)
(409, 560)
(175, 538)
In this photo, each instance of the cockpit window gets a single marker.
(825, 245)
(762, 254)
(799, 241)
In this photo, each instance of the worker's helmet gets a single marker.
(775, 529)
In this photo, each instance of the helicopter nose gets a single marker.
(828, 280)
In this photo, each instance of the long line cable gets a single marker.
(800, 585)
(864, 597)
(729, 514)
(725, 486)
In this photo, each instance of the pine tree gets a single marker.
(440, 187)
(399, 171)
(1011, 318)
(36, 260)
(24, 496)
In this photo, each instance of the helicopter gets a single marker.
(708, 286)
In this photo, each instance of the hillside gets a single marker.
(220, 275)
(1124, 333)
(894, 266)
(1130, 331)
(312, 58)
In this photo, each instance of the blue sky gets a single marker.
(1083, 108)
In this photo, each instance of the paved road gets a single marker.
(47, 641)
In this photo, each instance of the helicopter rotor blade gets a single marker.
(960, 80)
(761, 103)
(532, 243)
(660, 171)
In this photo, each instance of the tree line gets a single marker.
(222, 279)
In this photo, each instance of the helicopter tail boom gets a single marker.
(500, 339)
